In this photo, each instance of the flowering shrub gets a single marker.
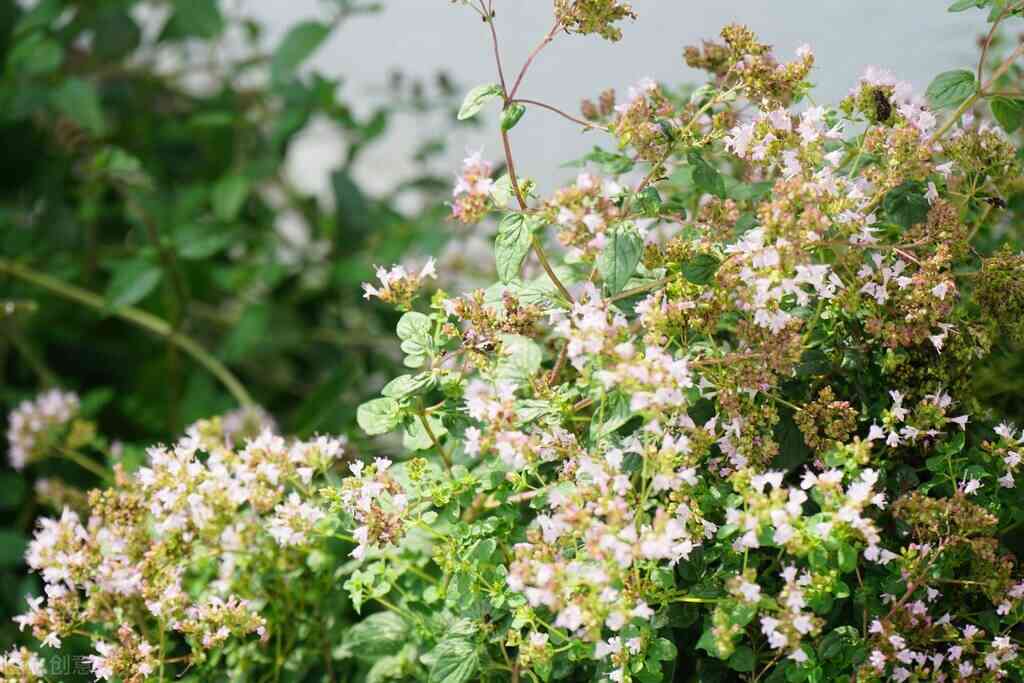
(717, 419)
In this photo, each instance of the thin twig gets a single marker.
(585, 124)
(529, 60)
(437, 444)
(489, 18)
(626, 293)
(559, 362)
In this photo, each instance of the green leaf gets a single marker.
(415, 437)
(383, 633)
(609, 162)
(229, 195)
(477, 98)
(12, 490)
(40, 16)
(131, 282)
(378, 416)
(705, 176)
(251, 330)
(618, 260)
(502, 192)
(951, 88)
(79, 101)
(515, 234)
(648, 202)
(701, 268)
(195, 242)
(414, 326)
(953, 444)
(36, 54)
(116, 33)
(194, 19)
(392, 668)
(742, 659)
(793, 450)
(906, 204)
(520, 359)
(839, 643)
(708, 642)
(961, 5)
(296, 47)
(510, 117)
(663, 650)
(616, 412)
(847, 557)
(12, 549)
(456, 660)
(1008, 112)
(118, 166)
(408, 385)
(351, 205)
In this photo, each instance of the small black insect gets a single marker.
(883, 108)
(997, 202)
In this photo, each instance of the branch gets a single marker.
(585, 124)
(147, 321)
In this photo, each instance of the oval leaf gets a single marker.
(951, 88)
(301, 42)
(378, 416)
(456, 661)
(515, 234)
(477, 98)
(618, 260)
(132, 282)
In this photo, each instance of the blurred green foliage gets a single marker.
(143, 168)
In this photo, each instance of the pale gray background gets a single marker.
(914, 38)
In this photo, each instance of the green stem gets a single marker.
(980, 92)
(147, 321)
(542, 257)
(82, 461)
(437, 444)
(33, 359)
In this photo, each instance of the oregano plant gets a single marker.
(722, 416)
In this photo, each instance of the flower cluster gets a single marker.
(23, 665)
(593, 16)
(38, 425)
(126, 570)
(584, 212)
(472, 193)
(738, 395)
(399, 286)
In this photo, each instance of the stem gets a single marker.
(437, 444)
(529, 60)
(991, 35)
(163, 641)
(559, 363)
(33, 359)
(512, 170)
(147, 321)
(534, 243)
(542, 257)
(489, 18)
(980, 92)
(509, 161)
(580, 405)
(585, 124)
(85, 463)
(626, 293)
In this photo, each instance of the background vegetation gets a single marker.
(154, 257)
